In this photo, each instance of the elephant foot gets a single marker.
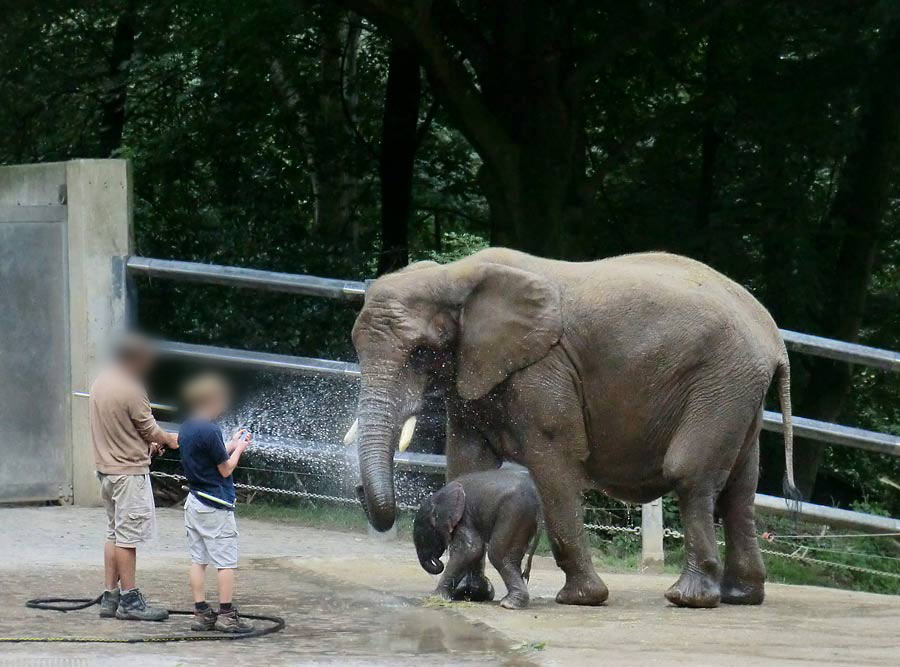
(738, 592)
(474, 587)
(694, 589)
(515, 601)
(583, 590)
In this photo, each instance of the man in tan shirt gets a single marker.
(124, 435)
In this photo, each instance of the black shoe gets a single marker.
(204, 621)
(109, 603)
(231, 622)
(133, 607)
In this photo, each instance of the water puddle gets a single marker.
(334, 618)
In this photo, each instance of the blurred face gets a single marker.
(214, 406)
(139, 363)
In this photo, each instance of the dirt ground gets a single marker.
(353, 600)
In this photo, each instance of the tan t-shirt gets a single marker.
(122, 424)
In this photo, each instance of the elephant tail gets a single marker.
(526, 572)
(783, 376)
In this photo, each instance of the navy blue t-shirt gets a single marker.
(202, 449)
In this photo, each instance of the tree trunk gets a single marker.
(534, 201)
(399, 141)
(705, 243)
(853, 223)
(336, 183)
(113, 122)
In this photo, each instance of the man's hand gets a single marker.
(156, 449)
(172, 443)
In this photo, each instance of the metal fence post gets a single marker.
(652, 554)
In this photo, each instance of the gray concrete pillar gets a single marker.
(99, 199)
(652, 554)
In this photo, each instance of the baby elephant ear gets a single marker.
(449, 504)
(510, 319)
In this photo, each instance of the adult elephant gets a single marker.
(635, 375)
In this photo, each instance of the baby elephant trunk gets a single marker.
(429, 545)
(432, 565)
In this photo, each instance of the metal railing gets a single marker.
(835, 434)
(270, 281)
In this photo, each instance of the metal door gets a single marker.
(35, 448)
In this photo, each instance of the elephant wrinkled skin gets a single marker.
(635, 375)
(497, 511)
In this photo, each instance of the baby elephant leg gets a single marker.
(509, 543)
(464, 555)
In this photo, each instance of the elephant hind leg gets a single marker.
(698, 585)
(743, 581)
(508, 562)
(698, 463)
(509, 541)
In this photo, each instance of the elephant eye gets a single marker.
(421, 355)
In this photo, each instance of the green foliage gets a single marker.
(254, 133)
(456, 245)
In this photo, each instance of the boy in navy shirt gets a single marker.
(209, 509)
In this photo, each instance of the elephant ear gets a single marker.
(449, 504)
(509, 320)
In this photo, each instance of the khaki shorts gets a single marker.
(212, 534)
(128, 499)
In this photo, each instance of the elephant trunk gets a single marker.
(376, 436)
(432, 565)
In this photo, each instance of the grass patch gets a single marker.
(438, 601)
(344, 518)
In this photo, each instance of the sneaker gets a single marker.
(109, 603)
(231, 622)
(133, 607)
(204, 621)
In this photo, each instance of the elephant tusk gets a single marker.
(351, 432)
(407, 433)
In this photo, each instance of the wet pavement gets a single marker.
(349, 600)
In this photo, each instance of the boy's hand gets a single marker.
(241, 439)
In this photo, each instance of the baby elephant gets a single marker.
(498, 510)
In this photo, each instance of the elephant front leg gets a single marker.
(467, 451)
(459, 566)
(563, 516)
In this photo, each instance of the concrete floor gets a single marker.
(351, 600)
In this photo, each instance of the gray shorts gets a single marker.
(130, 511)
(212, 534)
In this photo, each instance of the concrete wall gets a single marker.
(99, 197)
(95, 197)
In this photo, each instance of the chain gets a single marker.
(797, 555)
(635, 530)
(832, 536)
